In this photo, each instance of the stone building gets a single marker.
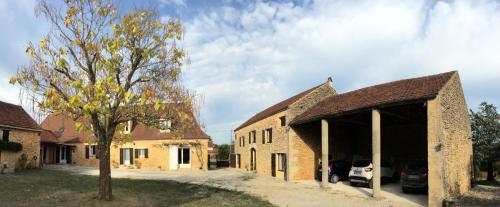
(17, 126)
(262, 144)
(423, 118)
(148, 148)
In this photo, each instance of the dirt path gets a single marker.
(281, 193)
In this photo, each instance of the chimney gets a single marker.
(330, 79)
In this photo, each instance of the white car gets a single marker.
(362, 172)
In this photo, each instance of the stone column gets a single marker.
(376, 152)
(324, 153)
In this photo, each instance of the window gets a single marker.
(252, 138)
(283, 121)
(263, 136)
(243, 138)
(141, 153)
(183, 156)
(281, 161)
(128, 127)
(269, 135)
(165, 125)
(5, 135)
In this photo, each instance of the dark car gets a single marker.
(337, 170)
(414, 177)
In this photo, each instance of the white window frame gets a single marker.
(128, 127)
(281, 158)
(92, 150)
(141, 152)
(184, 165)
(165, 125)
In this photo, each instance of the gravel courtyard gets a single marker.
(280, 193)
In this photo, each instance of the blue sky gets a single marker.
(248, 55)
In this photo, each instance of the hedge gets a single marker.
(11, 146)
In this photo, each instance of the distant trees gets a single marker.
(485, 125)
(224, 151)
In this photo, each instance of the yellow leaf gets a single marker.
(157, 106)
(78, 127)
(13, 80)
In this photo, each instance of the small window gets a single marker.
(141, 153)
(5, 135)
(269, 135)
(252, 137)
(243, 137)
(263, 136)
(128, 127)
(165, 125)
(92, 150)
(283, 121)
(281, 161)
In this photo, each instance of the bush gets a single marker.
(21, 162)
(11, 146)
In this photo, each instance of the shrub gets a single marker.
(21, 162)
(11, 146)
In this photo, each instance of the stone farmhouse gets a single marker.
(148, 148)
(17, 126)
(423, 118)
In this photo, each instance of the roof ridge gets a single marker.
(396, 81)
(269, 110)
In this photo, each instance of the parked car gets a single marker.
(362, 172)
(337, 170)
(414, 176)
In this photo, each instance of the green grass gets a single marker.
(59, 188)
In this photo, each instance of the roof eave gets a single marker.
(381, 105)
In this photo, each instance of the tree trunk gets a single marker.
(104, 172)
(490, 172)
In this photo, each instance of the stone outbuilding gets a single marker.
(17, 126)
(423, 119)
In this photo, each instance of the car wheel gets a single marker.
(370, 184)
(334, 179)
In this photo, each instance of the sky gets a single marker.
(248, 55)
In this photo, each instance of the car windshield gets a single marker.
(361, 163)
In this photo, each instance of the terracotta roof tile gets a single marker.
(64, 130)
(387, 93)
(275, 108)
(15, 116)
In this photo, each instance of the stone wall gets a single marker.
(449, 144)
(158, 154)
(303, 146)
(263, 151)
(31, 147)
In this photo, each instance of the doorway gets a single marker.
(273, 165)
(253, 159)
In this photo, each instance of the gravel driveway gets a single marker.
(281, 193)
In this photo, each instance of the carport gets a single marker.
(422, 119)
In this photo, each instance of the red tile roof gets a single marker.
(48, 136)
(275, 108)
(16, 117)
(388, 93)
(64, 130)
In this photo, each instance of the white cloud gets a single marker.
(174, 2)
(244, 60)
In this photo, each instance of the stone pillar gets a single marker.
(324, 153)
(376, 152)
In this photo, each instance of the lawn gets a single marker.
(59, 188)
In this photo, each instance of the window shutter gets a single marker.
(131, 156)
(146, 153)
(87, 152)
(136, 153)
(121, 156)
(271, 135)
(263, 136)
